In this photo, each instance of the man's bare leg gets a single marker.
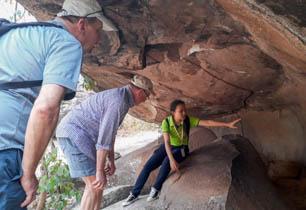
(91, 199)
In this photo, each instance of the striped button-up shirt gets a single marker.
(93, 124)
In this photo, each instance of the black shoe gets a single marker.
(129, 200)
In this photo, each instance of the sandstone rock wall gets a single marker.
(220, 56)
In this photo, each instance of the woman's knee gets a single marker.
(148, 167)
(151, 164)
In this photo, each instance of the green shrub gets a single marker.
(56, 182)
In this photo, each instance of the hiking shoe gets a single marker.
(131, 199)
(153, 194)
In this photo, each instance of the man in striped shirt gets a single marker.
(87, 133)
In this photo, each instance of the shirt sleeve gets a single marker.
(63, 64)
(194, 122)
(165, 127)
(109, 124)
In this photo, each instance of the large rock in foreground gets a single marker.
(205, 180)
(223, 174)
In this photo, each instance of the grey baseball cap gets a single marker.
(143, 83)
(86, 8)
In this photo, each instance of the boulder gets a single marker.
(251, 188)
(205, 180)
(203, 183)
(223, 174)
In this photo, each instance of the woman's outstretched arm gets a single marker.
(212, 123)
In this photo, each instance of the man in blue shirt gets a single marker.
(29, 115)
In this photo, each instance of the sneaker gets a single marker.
(131, 199)
(153, 195)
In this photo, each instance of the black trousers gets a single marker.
(159, 158)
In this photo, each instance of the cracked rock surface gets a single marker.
(246, 57)
(219, 56)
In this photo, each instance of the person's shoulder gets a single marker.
(165, 126)
(119, 94)
(193, 121)
(193, 118)
(111, 97)
(56, 35)
(116, 93)
(63, 35)
(166, 119)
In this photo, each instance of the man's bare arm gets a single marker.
(41, 124)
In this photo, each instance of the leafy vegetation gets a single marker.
(56, 183)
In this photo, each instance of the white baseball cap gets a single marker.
(86, 8)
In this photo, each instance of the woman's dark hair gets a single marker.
(175, 103)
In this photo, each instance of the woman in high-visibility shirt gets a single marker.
(175, 149)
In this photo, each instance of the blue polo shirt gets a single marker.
(33, 53)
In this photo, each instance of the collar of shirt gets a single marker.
(172, 123)
(59, 22)
(130, 98)
(178, 129)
